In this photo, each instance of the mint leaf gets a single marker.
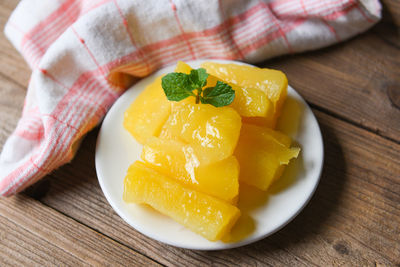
(198, 78)
(220, 95)
(177, 86)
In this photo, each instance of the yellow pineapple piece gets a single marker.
(260, 93)
(266, 133)
(201, 213)
(249, 102)
(147, 114)
(262, 155)
(181, 162)
(183, 67)
(213, 132)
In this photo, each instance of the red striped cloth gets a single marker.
(84, 53)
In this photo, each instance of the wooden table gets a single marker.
(352, 220)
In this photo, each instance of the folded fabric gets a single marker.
(84, 53)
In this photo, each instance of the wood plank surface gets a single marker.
(12, 65)
(32, 234)
(352, 220)
(14, 77)
(11, 101)
(392, 9)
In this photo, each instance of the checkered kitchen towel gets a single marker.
(84, 53)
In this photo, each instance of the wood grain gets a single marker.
(33, 234)
(352, 218)
(12, 65)
(14, 77)
(11, 101)
(392, 7)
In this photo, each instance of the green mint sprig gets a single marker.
(178, 86)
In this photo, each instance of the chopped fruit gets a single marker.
(262, 155)
(181, 162)
(259, 92)
(183, 67)
(147, 114)
(267, 133)
(212, 131)
(250, 102)
(203, 214)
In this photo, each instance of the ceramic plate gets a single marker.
(262, 214)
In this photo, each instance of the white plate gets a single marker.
(116, 150)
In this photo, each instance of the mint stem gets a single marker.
(198, 98)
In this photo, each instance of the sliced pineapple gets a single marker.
(262, 155)
(201, 213)
(147, 114)
(212, 131)
(181, 162)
